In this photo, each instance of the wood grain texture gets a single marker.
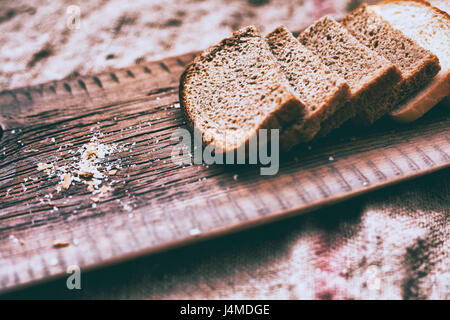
(172, 205)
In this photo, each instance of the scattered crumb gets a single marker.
(194, 232)
(60, 244)
(44, 166)
(91, 186)
(104, 189)
(87, 166)
(91, 155)
(331, 158)
(67, 181)
(84, 174)
(127, 207)
(235, 177)
(30, 150)
(13, 238)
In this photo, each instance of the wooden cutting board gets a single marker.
(155, 204)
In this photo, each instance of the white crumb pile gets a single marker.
(88, 166)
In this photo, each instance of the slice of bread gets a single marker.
(430, 28)
(321, 90)
(235, 88)
(417, 65)
(368, 74)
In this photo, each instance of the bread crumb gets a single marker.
(112, 172)
(60, 244)
(84, 174)
(91, 155)
(67, 181)
(44, 166)
(91, 186)
(104, 189)
(194, 232)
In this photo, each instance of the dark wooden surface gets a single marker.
(172, 205)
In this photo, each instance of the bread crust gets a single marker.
(423, 101)
(425, 3)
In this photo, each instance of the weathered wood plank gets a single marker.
(155, 204)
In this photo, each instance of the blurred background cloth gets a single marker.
(391, 244)
(37, 46)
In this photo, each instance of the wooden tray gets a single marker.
(172, 205)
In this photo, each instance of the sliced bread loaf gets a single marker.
(321, 90)
(417, 65)
(235, 88)
(368, 74)
(430, 28)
